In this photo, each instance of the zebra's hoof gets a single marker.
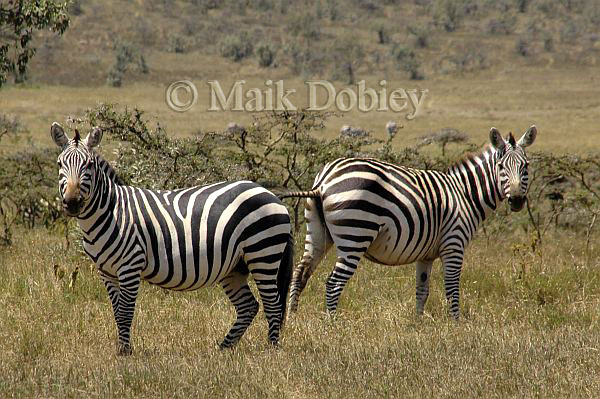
(275, 344)
(331, 314)
(225, 345)
(124, 350)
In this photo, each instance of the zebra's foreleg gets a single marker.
(112, 288)
(452, 265)
(345, 267)
(129, 285)
(114, 294)
(422, 284)
(246, 307)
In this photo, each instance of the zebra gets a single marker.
(181, 240)
(394, 215)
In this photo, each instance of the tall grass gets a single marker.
(530, 329)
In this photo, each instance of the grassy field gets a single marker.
(563, 104)
(530, 325)
(530, 329)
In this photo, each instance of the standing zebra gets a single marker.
(395, 215)
(182, 239)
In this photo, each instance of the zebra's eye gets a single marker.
(500, 166)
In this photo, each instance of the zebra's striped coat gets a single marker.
(395, 215)
(181, 239)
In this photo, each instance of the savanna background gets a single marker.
(530, 287)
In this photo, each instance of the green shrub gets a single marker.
(469, 57)
(523, 46)
(570, 31)
(280, 150)
(505, 25)
(307, 26)
(265, 54)
(126, 55)
(522, 5)
(548, 43)
(406, 60)
(333, 10)
(382, 34)
(347, 56)
(421, 35)
(448, 14)
(176, 44)
(236, 47)
(303, 60)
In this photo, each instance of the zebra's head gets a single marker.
(77, 163)
(512, 165)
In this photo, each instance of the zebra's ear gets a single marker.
(94, 137)
(58, 135)
(529, 137)
(496, 139)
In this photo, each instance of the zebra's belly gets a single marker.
(399, 249)
(187, 271)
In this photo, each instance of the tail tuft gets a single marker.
(284, 275)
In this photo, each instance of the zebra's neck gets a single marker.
(477, 177)
(103, 199)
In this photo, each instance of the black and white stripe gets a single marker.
(182, 239)
(395, 215)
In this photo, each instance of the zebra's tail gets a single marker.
(302, 194)
(284, 275)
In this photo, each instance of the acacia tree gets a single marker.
(19, 19)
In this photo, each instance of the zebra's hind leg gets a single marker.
(422, 283)
(344, 269)
(269, 295)
(317, 243)
(246, 307)
(452, 264)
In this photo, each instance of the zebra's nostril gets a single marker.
(516, 203)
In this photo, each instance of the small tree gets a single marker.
(405, 59)
(236, 47)
(421, 35)
(444, 137)
(348, 56)
(448, 14)
(523, 47)
(18, 21)
(126, 54)
(382, 34)
(265, 54)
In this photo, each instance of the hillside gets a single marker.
(483, 62)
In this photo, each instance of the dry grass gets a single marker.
(530, 330)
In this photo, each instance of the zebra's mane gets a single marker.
(108, 169)
(471, 157)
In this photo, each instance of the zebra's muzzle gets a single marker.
(72, 206)
(516, 203)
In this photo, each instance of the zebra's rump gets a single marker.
(392, 214)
